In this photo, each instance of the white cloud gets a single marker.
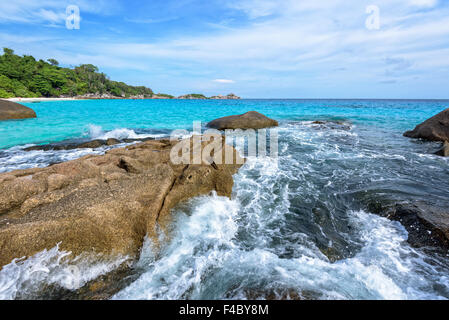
(150, 20)
(255, 8)
(223, 81)
(51, 16)
(305, 43)
(424, 3)
(50, 11)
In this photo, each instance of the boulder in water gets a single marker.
(14, 111)
(444, 152)
(433, 129)
(249, 120)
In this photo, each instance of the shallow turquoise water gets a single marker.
(62, 120)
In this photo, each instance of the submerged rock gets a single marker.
(102, 204)
(249, 120)
(426, 225)
(433, 129)
(83, 145)
(331, 124)
(13, 111)
(273, 294)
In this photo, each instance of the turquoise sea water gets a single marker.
(299, 226)
(61, 120)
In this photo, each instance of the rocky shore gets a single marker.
(102, 204)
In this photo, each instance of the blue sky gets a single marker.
(253, 48)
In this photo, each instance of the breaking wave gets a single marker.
(28, 278)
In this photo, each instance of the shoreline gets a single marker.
(43, 99)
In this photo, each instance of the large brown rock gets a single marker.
(101, 204)
(11, 110)
(249, 120)
(433, 129)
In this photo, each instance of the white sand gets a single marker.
(40, 99)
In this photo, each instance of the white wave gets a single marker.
(181, 267)
(26, 277)
(18, 158)
(223, 248)
(97, 132)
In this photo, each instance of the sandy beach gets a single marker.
(41, 99)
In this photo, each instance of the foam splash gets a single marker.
(269, 239)
(207, 259)
(17, 158)
(181, 267)
(97, 132)
(200, 264)
(265, 241)
(25, 278)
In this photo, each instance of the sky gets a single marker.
(253, 48)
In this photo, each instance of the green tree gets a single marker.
(24, 76)
(53, 62)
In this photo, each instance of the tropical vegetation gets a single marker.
(24, 76)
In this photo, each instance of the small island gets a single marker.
(23, 78)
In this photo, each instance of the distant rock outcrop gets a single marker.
(161, 96)
(249, 120)
(230, 96)
(102, 204)
(193, 96)
(13, 111)
(433, 129)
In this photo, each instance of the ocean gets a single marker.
(297, 227)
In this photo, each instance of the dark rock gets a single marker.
(11, 111)
(68, 146)
(249, 120)
(112, 142)
(433, 129)
(137, 140)
(426, 225)
(273, 294)
(83, 145)
(332, 124)
(92, 144)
